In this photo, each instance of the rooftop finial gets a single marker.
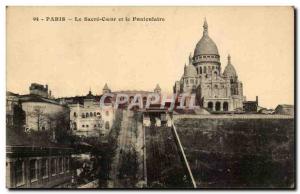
(229, 59)
(205, 27)
(190, 59)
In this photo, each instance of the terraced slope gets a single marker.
(240, 153)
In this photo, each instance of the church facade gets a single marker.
(215, 90)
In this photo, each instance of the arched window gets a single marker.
(75, 125)
(145, 98)
(131, 98)
(87, 114)
(197, 71)
(210, 105)
(75, 114)
(200, 70)
(204, 70)
(83, 115)
(91, 114)
(94, 114)
(215, 75)
(225, 106)
(106, 125)
(218, 106)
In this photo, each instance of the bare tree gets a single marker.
(41, 118)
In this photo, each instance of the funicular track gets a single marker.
(166, 159)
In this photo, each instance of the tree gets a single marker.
(16, 128)
(18, 118)
(60, 126)
(40, 118)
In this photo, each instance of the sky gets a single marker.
(74, 56)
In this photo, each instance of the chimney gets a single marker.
(256, 99)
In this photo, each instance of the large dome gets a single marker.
(206, 46)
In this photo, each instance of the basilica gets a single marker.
(215, 90)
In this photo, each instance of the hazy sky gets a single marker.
(73, 56)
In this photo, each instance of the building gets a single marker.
(41, 111)
(251, 106)
(138, 94)
(12, 106)
(157, 89)
(266, 111)
(34, 156)
(106, 89)
(44, 114)
(203, 76)
(90, 119)
(285, 109)
(87, 117)
(40, 90)
(39, 166)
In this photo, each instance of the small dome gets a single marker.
(190, 71)
(206, 46)
(229, 70)
(89, 95)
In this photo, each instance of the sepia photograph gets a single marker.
(150, 97)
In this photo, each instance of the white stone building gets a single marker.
(42, 111)
(89, 119)
(203, 76)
